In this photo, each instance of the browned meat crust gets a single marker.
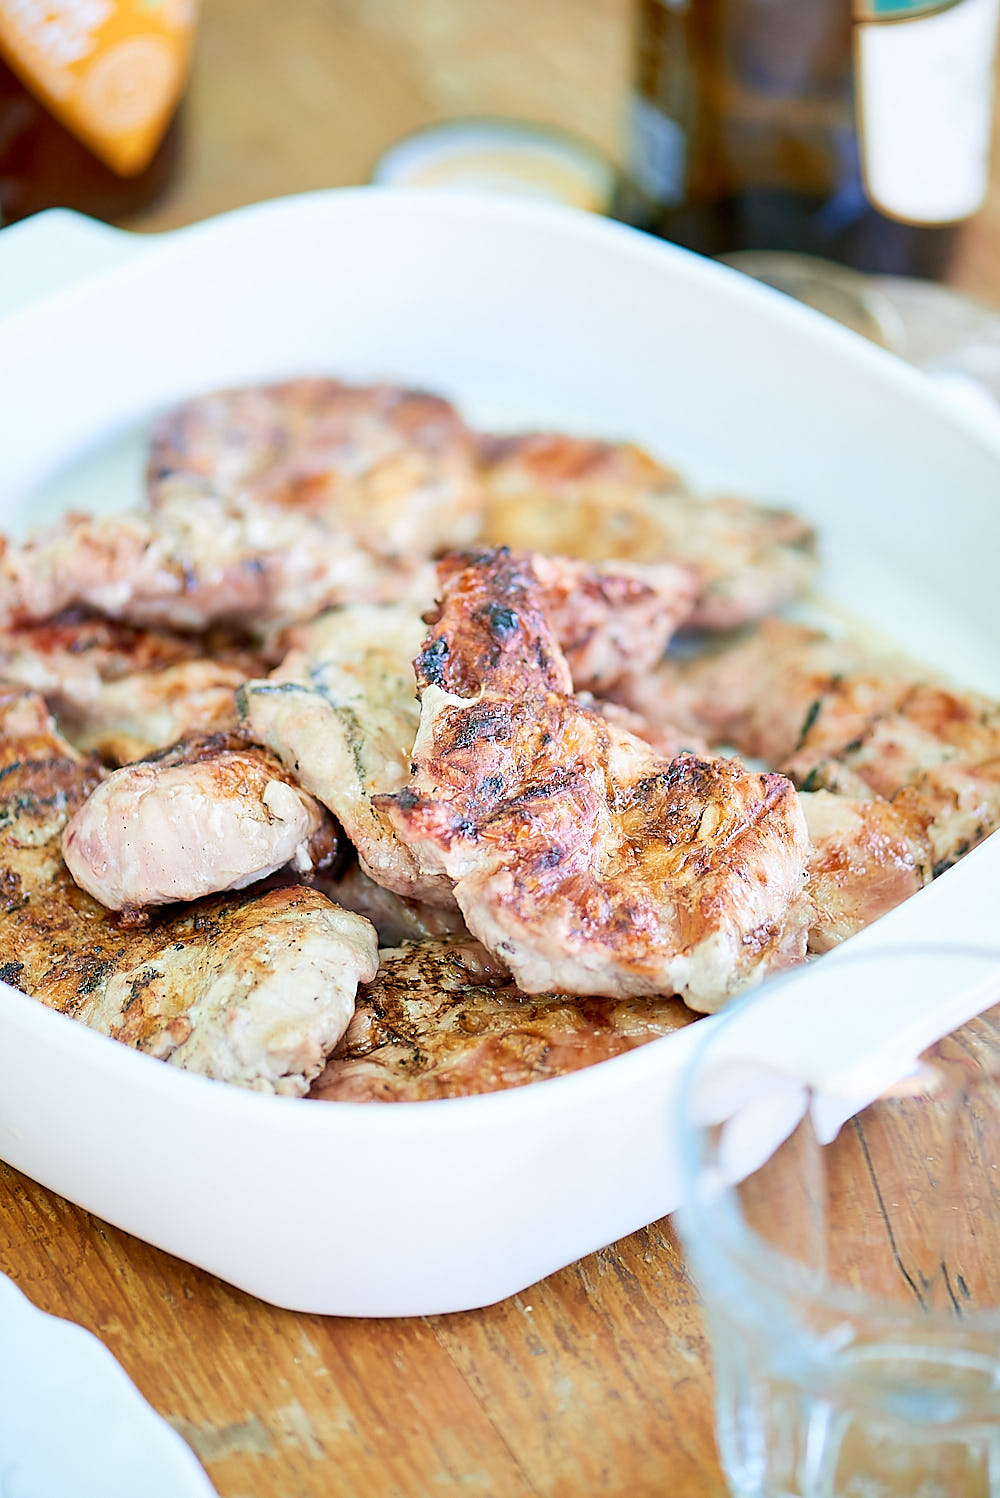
(442, 1019)
(582, 860)
(252, 990)
(611, 621)
(602, 500)
(394, 468)
(865, 858)
(124, 691)
(832, 715)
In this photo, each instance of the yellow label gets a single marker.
(111, 71)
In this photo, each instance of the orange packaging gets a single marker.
(111, 71)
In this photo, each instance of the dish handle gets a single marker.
(54, 250)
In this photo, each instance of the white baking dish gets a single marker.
(526, 316)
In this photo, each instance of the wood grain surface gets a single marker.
(597, 1380)
(594, 1381)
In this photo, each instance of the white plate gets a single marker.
(527, 316)
(73, 1423)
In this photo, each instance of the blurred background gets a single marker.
(310, 93)
(696, 101)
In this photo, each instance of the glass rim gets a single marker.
(719, 1233)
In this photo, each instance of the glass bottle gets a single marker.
(859, 133)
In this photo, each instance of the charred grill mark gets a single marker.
(430, 663)
(543, 657)
(679, 791)
(27, 805)
(504, 623)
(9, 971)
(95, 978)
(11, 893)
(558, 782)
(489, 788)
(483, 724)
(944, 864)
(138, 985)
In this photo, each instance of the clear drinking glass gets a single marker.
(852, 1285)
(942, 331)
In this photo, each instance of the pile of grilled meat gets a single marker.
(359, 763)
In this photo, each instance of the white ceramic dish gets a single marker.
(527, 316)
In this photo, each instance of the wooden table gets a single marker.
(595, 1381)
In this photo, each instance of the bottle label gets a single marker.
(924, 83)
(111, 71)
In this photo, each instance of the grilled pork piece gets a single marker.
(442, 1019)
(340, 713)
(610, 621)
(762, 692)
(936, 756)
(200, 559)
(603, 500)
(251, 990)
(208, 815)
(341, 710)
(579, 858)
(72, 657)
(125, 692)
(140, 715)
(833, 716)
(394, 469)
(865, 858)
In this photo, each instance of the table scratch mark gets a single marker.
(212, 1442)
(297, 1429)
